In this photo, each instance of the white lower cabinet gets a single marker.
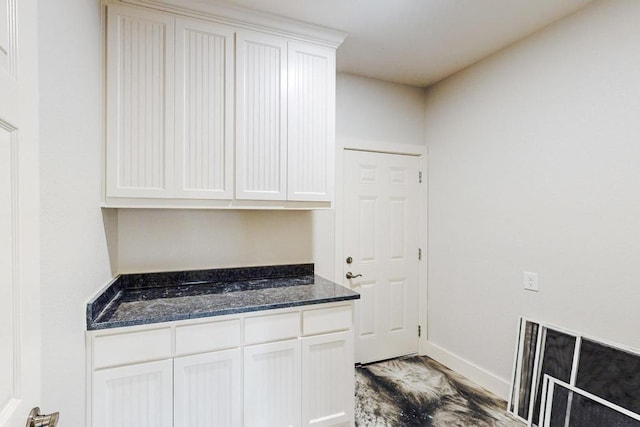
(207, 389)
(289, 367)
(327, 399)
(138, 395)
(272, 381)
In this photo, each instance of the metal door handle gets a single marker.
(350, 275)
(36, 419)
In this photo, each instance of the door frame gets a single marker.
(386, 147)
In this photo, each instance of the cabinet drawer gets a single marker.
(271, 328)
(205, 337)
(325, 320)
(120, 349)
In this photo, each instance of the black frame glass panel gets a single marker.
(571, 409)
(610, 373)
(557, 361)
(514, 391)
(527, 367)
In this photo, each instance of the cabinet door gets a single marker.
(208, 389)
(311, 136)
(136, 395)
(204, 110)
(272, 384)
(139, 103)
(261, 116)
(328, 379)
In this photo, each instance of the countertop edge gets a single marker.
(109, 297)
(224, 312)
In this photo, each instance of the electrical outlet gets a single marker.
(531, 281)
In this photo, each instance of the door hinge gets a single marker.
(419, 331)
(419, 254)
(420, 177)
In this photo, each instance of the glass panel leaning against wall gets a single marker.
(565, 405)
(609, 372)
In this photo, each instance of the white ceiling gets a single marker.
(418, 42)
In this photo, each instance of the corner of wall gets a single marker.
(110, 221)
(480, 376)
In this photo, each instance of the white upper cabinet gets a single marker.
(215, 112)
(204, 110)
(285, 119)
(140, 100)
(311, 136)
(261, 117)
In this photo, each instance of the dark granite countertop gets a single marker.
(139, 299)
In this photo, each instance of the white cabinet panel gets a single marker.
(136, 395)
(323, 320)
(210, 336)
(120, 349)
(140, 102)
(207, 389)
(272, 384)
(261, 116)
(327, 370)
(311, 127)
(204, 110)
(271, 327)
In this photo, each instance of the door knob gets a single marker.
(350, 275)
(36, 419)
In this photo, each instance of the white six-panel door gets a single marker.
(381, 213)
(19, 213)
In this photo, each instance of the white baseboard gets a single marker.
(483, 378)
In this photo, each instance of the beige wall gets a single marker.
(534, 160)
(74, 252)
(377, 111)
(161, 240)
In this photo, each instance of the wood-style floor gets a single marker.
(418, 391)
